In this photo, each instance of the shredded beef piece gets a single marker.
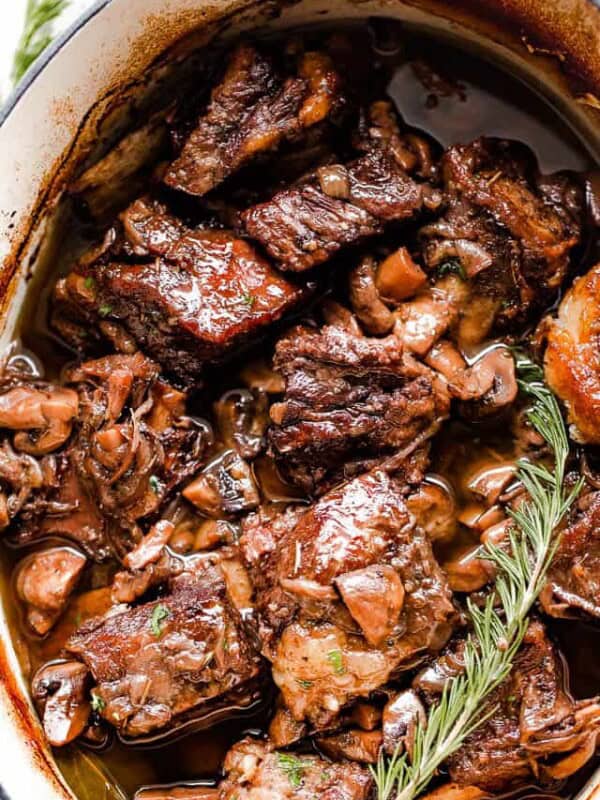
(254, 771)
(350, 401)
(132, 446)
(184, 296)
(251, 112)
(303, 226)
(536, 730)
(348, 594)
(167, 661)
(502, 224)
(573, 585)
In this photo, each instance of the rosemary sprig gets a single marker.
(36, 35)
(490, 649)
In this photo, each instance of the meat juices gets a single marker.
(348, 593)
(161, 662)
(535, 721)
(244, 459)
(251, 112)
(206, 292)
(349, 402)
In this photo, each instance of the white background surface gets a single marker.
(12, 13)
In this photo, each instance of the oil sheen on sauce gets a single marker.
(454, 98)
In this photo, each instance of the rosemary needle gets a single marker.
(36, 36)
(490, 649)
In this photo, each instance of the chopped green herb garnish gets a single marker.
(336, 660)
(159, 614)
(98, 703)
(249, 299)
(154, 483)
(293, 768)
(105, 310)
(452, 266)
(304, 684)
(89, 283)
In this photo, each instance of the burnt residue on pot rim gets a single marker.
(563, 39)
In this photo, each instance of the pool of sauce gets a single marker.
(455, 98)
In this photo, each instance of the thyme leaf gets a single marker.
(491, 648)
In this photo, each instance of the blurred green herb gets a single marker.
(452, 266)
(292, 766)
(37, 34)
(159, 614)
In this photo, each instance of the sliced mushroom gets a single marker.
(400, 717)
(498, 363)
(467, 572)
(60, 690)
(45, 581)
(426, 318)
(489, 482)
(374, 596)
(46, 414)
(224, 487)
(284, 730)
(149, 549)
(365, 300)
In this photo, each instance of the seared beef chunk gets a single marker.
(536, 729)
(45, 581)
(182, 656)
(306, 224)
(251, 112)
(133, 446)
(254, 770)
(349, 402)
(503, 227)
(572, 360)
(186, 297)
(573, 586)
(348, 593)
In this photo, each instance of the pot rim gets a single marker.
(42, 61)
(18, 93)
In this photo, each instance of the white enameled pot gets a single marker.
(77, 95)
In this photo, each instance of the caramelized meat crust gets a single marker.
(348, 593)
(573, 586)
(158, 664)
(349, 402)
(254, 770)
(305, 225)
(537, 729)
(572, 359)
(189, 297)
(251, 112)
(505, 226)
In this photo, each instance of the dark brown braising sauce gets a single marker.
(454, 98)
